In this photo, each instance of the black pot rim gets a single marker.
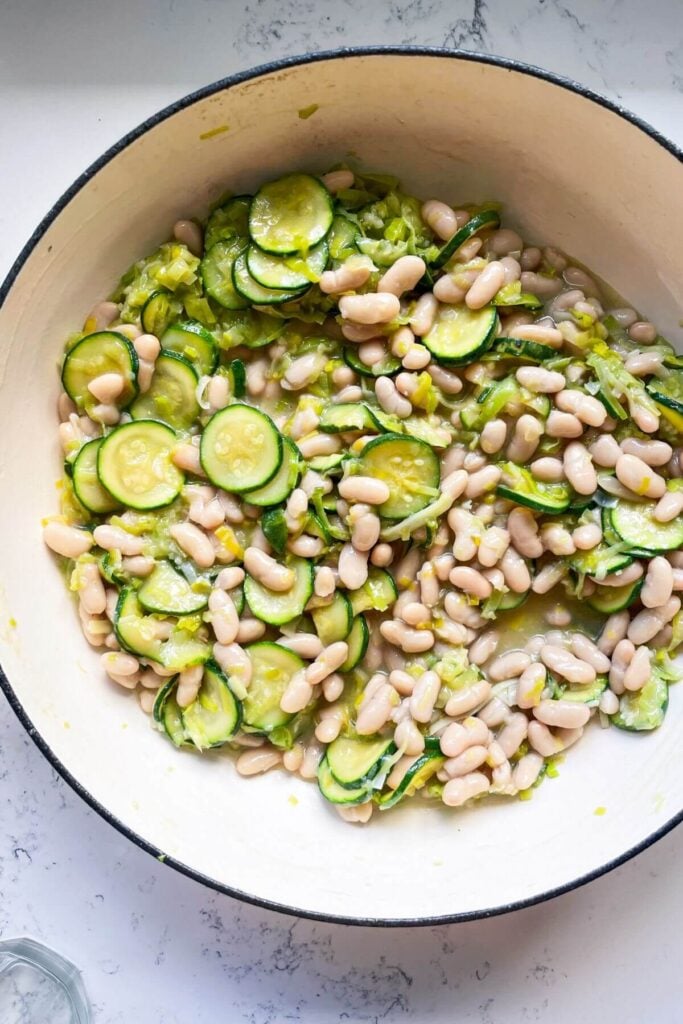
(12, 698)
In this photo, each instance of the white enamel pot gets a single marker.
(572, 170)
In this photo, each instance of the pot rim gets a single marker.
(126, 140)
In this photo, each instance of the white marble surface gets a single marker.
(156, 948)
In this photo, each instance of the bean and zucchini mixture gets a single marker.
(371, 489)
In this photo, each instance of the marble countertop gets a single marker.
(154, 947)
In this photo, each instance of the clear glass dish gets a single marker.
(38, 986)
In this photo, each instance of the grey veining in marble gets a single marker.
(155, 947)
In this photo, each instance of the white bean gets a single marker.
(338, 181)
(513, 733)
(544, 333)
(101, 316)
(417, 358)
(643, 332)
(527, 433)
(640, 478)
(256, 762)
(494, 544)
(352, 274)
(443, 220)
(508, 666)
(195, 543)
(564, 664)
(389, 398)
(370, 308)
(113, 538)
(564, 714)
(484, 647)
(491, 280)
(482, 481)
(424, 314)
(250, 630)
(189, 681)
(516, 571)
(382, 555)
(584, 649)
(669, 506)
(653, 453)
(423, 699)
(67, 541)
(189, 234)
(365, 489)
(540, 381)
(526, 771)
(91, 591)
(458, 791)
(578, 468)
(376, 712)
(531, 684)
(523, 530)
(563, 424)
(638, 671)
(298, 693)
(586, 408)
(402, 276)
(327, 662)
(412, 641)
(471, 582)
(646, 624)
(613, 631)
(587, 537)
(353, 567)
(465, 701)
(644, 364)
(658, 585)
(544, 742)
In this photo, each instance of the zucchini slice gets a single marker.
(336, 794)
(287, 272)
(172, 394)
(521, 349)
(520, 485)
(355, 761)
(479, 222)
(645, 709)
(389, 366)
(159, 311)
(274, 526)
(285, 480)
(489, 403)
(608, 600)
(238, 377)
(277, 607)
(249, 288)
(166, 592)
(357, 641)
(136, 632)
(349, 416)
(635, 524)
(229, 220)
(417, 776)
(241, 449)
(604, 560)
(461, 335)
(168, 715)
(409, 467)
(134, 464)
(102, 352)
(342, 238)
(589, 694)
(214, 716)
(217, 271)
(194, 343)
(272, 670)
(333, 621)
(87, 487)
(668, 391)
(291, 214)
(377, 593)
